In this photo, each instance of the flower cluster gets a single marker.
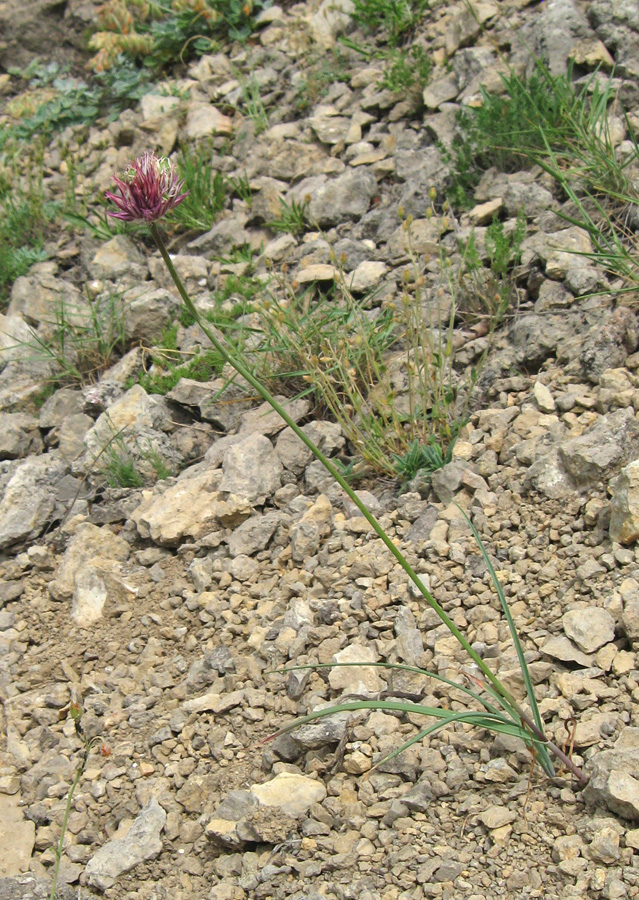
(149, 188)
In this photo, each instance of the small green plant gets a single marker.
(203, 367)
(234, 287)
(293, 217)
(163, 34)
(243, 253)
(425, 458)
(327, 348)
(207, 190)
(160, 468)
(81, 341)
(120, 469)
(186, 320)
(395, 18)
(538, 117)
(319, 77)
(405, 69)
(544, 120)
(252, 103)
(487, 285)
(241, 187)
(24, 218)
(67, 100)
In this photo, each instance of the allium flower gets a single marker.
(149, 188)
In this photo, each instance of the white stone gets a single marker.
(292, 794)
(543, 398)
(589, 628)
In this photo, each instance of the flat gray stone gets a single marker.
(589, 628)
(142, 842)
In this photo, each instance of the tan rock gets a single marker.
(317, 272)
(484, 213)
(591, 54)
(17, 837)
(292, 794)
(624, 506)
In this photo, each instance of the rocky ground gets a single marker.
(169, 610)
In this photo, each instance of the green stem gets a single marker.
(67, 812)
(328, 465)
(239, 367)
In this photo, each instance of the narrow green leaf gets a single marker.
(530, 691)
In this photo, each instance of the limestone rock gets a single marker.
(16, 339)
(116, 257)
(629, 592)
(291, 794)
(264, 420)
(590, 458)
(561, 648)
(204, 120)
(30, 498)
(589, 628)
(251, 469)
(28, 887)
(189, 509)
(36, 296)
(366, 277)
(120, 855)
(331, 19)
(543, 398)
(253, 534)
(613, 781)
(624, 505)
(19, 435)
(353, 679)
(148, 312)
(345, 197)
(90, 572)
(497, 817)
(17, 837)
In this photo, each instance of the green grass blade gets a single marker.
(501, 727)
(530, 692)
(480, 719)
(417, 670)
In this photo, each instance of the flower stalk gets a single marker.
(163, 187)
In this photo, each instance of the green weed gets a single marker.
(395, 18)
(545, 120)
(120, 470)
(252, 103)
(207, 187)
(537, 117)
(405, 69)
(320, 76)
(80, 342)
(487, 283)
(205, 366)
(71, 101)
(160, 468)
(161, 35)
(419, 457)
(293, 217)
(241, 187)
(24, 221)
(235, 287)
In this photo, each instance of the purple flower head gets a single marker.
(149, 188)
